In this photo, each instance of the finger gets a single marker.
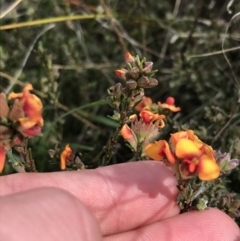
(123, 197)
(46, 214)
(211, 225)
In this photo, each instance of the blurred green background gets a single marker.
(72, 63)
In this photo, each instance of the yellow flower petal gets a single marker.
(175, 137)
(207, 168)
(155, 150)
(193, 137)
(158, 150)
(172, 108)
(187, 149)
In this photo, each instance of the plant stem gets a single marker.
(108, 150)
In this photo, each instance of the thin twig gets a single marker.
(28, 52)
(225, 126)
(168, 34)
(113, 23)
(225, 56)
(213, 53)
(195, 23)
(9, 9)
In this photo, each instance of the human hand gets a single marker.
(126, 202)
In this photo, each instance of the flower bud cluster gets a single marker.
(139, 73)
(137, 77)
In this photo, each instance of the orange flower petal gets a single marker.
(207, 168)
(127, 133)
(31, 104)
(26, 123)
(2, 158)
(148, 116)
(187, 149)
(155, 150)
(121, 73)
(29, 127)
(65, 155)
(14, 95)
(27, 88)
(172, 108)
(169, 154)
(193, 137)
(175, 137)
(146, 102)
(208, 150)
(129, 57)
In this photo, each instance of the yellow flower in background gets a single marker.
(158, 150)
(169, 104)
(65, 156)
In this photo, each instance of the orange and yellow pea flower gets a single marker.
(65, 156)
(196, 156)
(199, 157)
(169, 104)
(149, 117)
(30, 103)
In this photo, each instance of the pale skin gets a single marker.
(127, 202)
